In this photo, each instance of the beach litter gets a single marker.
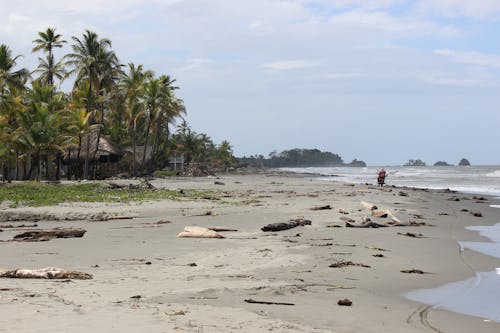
(344, 263)
(45, 235)
(286, 225)
(199, 232)
(413, 271)
(266, 302)
(344, 302)
(44, 273)
(411, 234)
(321, 207)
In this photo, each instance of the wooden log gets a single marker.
(45, 235)
(268, 303)
(286, 225)
(44, 273)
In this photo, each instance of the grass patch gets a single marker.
(166, 173)
(42, 194)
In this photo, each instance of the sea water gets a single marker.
(472, 179)
(477, 296)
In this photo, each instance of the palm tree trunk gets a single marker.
(134, 162)
(86, 167)
(146, 143)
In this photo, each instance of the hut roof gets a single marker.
(107, 150)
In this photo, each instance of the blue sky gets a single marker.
(378, 80)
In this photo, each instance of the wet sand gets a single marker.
(147, 279)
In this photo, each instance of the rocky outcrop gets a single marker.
(441, 163)
(356, 163)
(413, 163)
(464, 162)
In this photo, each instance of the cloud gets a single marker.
(285, 65)
(471, 58)
(477, 9)
(453, 81)
(194, 64)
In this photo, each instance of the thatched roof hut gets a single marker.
(107, 152)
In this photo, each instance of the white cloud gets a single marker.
(453, 81)
(194, 64)
(290, 65)
(471, 58)
(478, 9)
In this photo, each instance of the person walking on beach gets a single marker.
(381, 177)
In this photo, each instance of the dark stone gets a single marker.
(464, 162)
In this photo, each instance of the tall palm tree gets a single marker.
(47, 41)
(88, 62)
(132, 83)
(170, 109)
(153, 97)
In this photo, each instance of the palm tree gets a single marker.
(8, 76)
(132, 83)
(47, 42)
(48, 70)
(89, 61)
(40, 132)
(153, 97)
(170, 109)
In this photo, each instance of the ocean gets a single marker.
(477, 296)
(474, 179)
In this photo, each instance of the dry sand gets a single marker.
(145, 278)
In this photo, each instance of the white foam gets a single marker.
(494, 174)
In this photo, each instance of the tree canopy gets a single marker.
(126, 108)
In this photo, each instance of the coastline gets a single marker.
(277, 266)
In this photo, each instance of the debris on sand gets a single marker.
(411, 234)
(221, 229)
(321, 207)
(476, 213)
(344, 302)
(413, 271)
(10, 226)
(265, 302)
(343, 211)
(44, 273)
(45, 235)
(199, 232)
(286, 225)
(346, 219)
(344, 263)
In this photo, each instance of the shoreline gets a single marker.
(252, 264)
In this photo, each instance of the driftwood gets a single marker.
(199, 232)
(45, 235)
(286, 225)
(221, 229)
(369, 224)
(44, 273)
(411, 234)
(344, 263)
(321, 207)
(413, 271)
(264, 302)
(11, 226)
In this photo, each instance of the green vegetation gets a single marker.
(42, 194)
(297, 158)
(127, 107)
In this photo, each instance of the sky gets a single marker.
(383, 81)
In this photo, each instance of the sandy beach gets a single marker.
(146, 279)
